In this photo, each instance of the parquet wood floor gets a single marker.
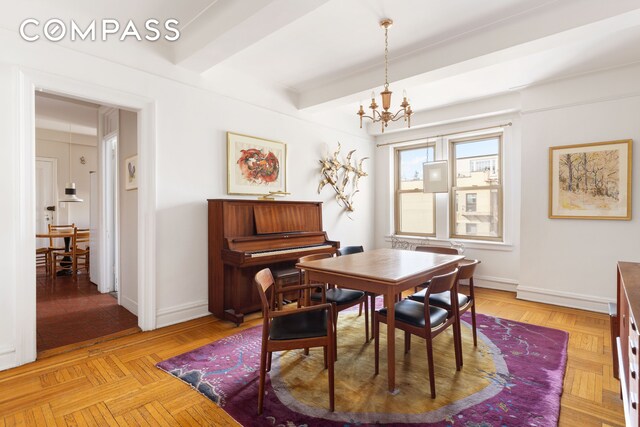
(115, 382)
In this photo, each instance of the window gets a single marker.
(471, 202)
(476, 192)
(414, 210)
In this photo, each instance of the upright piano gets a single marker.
(246, 236)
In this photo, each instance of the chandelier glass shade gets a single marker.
(385, 116)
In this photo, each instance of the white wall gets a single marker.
(128, 213)
(191, 126)
(56, 144)
(567, 261)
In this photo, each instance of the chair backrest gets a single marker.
(465, 271)
(82, 235)
(348, 250)
(264, 280)
(60, 227)
(437, 250)
(441, 283)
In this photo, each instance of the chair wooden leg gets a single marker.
(330, 351)
(473, 324)
(432, 379)
(360, 310)
(407, 342)
(324, 350)
(263, 373)
(376, 340)
(372, 304)
(269, 355)
(366, 320)
(457, 344)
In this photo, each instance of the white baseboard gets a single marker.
(129, 304)
(182, 313)
(498, 283)
(565, 299)
(7, 358)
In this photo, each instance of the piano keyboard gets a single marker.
(288, 250)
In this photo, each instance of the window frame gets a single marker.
(397, 192)
(499, 188)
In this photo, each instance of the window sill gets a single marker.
(463, 243)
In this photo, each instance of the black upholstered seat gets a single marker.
(412, 312)
(338, 296)
(441, 300)
(299, 325)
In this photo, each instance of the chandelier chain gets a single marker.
(386, 59)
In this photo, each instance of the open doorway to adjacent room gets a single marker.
(83, 148)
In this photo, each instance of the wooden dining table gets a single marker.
(381, 271)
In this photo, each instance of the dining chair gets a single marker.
(82, 250)
(54, 243)
(434, 250)
(342, 298)
(42, 259)
(424, 320)
(464, 302)
(348, 250)
(302, 327)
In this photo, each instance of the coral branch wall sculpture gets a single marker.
(342, 177)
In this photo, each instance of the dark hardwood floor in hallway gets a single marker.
(73, 311)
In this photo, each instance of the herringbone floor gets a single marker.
(116, 383)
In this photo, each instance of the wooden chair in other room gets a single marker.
(425, 321)
(54, 243)
(82, 250)
(466, 269)
(42, 259)
(341, 297)
(434, 250)
(290, 329)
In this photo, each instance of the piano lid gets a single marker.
(285, 218)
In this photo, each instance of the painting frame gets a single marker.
(610, 199)
(131, 173)
(242, 179)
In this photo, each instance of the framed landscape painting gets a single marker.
(255, 166)
(590, 181)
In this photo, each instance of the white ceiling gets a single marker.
(327, 55)
(65, 114)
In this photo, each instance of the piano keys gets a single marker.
(248, 235)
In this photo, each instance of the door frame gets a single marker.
(27, 82)
(54, 162)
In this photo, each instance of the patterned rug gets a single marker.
(513, 378)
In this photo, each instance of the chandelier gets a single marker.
(385, 116)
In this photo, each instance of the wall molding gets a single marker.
(497, 283)
(7, 357)
(599, 100)
(564, 299)
(182, 313)
(129, 304)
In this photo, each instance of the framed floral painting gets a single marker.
(590, 181)
(254, 165)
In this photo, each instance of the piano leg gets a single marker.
(231, 315)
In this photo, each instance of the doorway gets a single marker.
(74, 310)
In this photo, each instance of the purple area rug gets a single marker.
(523, 390)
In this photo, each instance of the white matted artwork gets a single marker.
(590, 181)
(254, 165)
(131, 173)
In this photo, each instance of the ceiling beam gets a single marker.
(229, 26)
(524, 35)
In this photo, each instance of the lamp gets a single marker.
(70, 193)
(434, 177)
(386, 116)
